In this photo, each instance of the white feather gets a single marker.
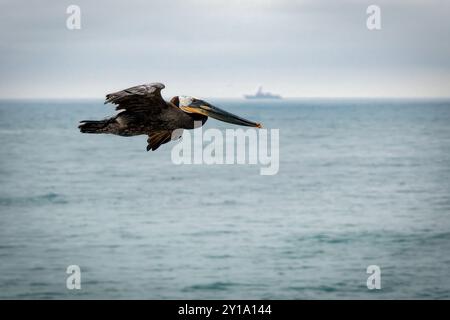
(185, 100)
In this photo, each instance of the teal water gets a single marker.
(361, 182)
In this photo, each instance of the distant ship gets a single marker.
(262, 95)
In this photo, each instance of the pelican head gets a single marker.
(194, 105)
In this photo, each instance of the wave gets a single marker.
(43, 199)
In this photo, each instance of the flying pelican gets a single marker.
(144, 111)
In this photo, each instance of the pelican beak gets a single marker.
(206, 109)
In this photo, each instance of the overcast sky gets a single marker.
(225, 48)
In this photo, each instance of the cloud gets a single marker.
(225, 48)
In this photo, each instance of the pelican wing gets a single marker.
(159, 137)
(145, 98)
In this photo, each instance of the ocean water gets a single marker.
(361, 182)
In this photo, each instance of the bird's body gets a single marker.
(143, 111)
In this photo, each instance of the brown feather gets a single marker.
(157, 138)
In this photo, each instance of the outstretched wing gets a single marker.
(157, 138)
(143, 98)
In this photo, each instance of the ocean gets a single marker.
(361, 182)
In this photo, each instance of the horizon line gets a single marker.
(243, 98)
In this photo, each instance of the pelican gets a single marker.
(144, 111)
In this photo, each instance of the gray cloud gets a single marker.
(225, 48)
